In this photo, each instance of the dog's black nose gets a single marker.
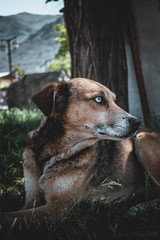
(134, 122)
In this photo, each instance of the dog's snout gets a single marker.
(134, 122)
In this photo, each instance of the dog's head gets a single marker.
(86, 106)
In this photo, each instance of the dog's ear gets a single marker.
(46, 99)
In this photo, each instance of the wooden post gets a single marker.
(137, 64)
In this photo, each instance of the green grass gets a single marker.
(92, 221)
(86, 220)
(14, 127)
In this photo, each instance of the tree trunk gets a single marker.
(95, 34)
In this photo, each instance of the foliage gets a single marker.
(21, 72)
(62, 58)
(14, 126)
(64, 63)
(62, 39)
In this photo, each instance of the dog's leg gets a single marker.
(33, 195)
(53, 211)
(23, 217)
(147, 148)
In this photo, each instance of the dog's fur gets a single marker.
(71, 152)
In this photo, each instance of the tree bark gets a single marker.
(95, 34)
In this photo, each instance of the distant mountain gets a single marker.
(35, 34)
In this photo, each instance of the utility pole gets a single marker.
(15, 45)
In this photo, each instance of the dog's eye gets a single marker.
(99, 100)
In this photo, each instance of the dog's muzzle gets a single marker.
(123, 128)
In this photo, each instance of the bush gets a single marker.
(21, 72)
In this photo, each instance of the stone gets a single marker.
(20, 92)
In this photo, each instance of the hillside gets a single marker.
(36, 35)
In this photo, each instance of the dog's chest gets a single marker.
(68, 175)
(66, 183)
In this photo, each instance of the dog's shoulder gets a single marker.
(43, 140)
(112, 158)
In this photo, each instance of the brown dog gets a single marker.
(71, 153)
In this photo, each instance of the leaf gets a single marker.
(11, 165)
(110, 184)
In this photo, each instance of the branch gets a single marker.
(51, 1)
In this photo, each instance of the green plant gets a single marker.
(63, 63)
(62, 58)
(62, 39)
(21, 72)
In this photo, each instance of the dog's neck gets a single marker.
(76, 149)
(65, 141)
(75, 142)
(71, 145)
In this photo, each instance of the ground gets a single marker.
(84, 221)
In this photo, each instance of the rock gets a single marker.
(20, 92)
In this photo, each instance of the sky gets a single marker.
(10, 7)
